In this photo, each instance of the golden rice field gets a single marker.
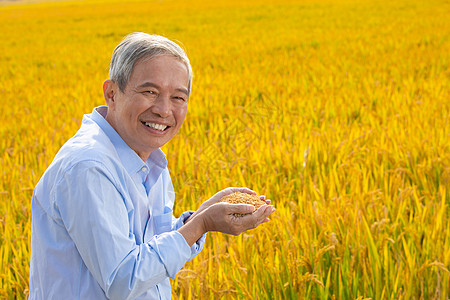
(337, 110)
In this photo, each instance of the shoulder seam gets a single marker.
(106, 170)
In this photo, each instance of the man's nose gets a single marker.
(161, 106)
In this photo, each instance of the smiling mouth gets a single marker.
(156, 126)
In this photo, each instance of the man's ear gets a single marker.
(109, 92)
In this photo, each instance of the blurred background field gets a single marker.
(337, 110)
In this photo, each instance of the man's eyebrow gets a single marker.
(151, 84)
(183, 90)
(148, 84)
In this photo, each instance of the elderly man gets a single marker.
(102, 223)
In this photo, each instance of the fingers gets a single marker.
(239, 208)
(264, 211)
(261, 215)
(231, 190)
(244, 190)
(253, 220)
(225, 192)
(263, 198)
(224, 217)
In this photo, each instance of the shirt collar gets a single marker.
(129, 158)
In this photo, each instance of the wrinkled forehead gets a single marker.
(150, 57)
(147, 58)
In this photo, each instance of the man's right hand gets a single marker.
(219, 195)
(220, 217)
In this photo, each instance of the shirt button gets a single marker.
(144, 169)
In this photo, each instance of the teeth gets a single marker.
(156, 126)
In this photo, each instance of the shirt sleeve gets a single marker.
(197, 247)
(91, 208)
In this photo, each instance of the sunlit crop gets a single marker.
(337, 110)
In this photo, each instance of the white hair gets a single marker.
(140, 45)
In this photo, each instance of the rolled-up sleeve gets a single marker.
(96, 217)
(197, 247)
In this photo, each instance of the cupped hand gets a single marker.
(216, 198)
(214, 216)
(221, 217)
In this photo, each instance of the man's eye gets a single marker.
(150, 93)
(180, 98)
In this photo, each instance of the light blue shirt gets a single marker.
(102, 223)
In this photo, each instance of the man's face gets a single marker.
(153, 106)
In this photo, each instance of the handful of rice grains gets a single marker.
(243, 198)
